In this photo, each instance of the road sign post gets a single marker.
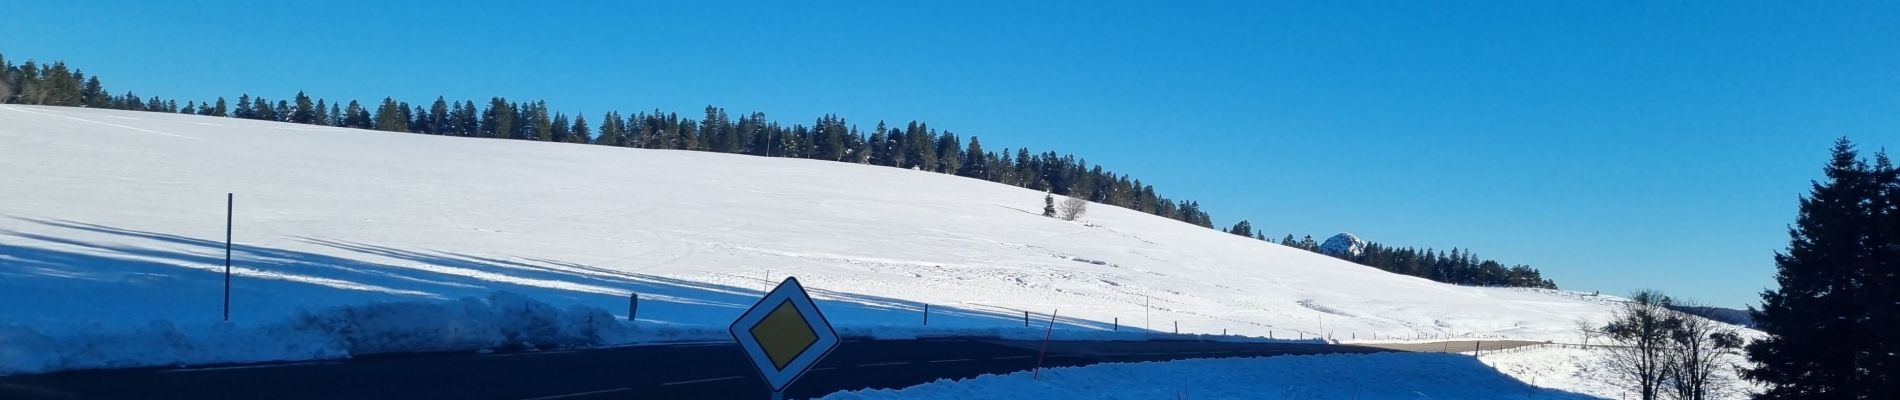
(633, 306)
(784, 335)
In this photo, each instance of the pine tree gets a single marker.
(974, 164)
(498, 121)
(1884, 302)
(281, 113)
(439, 117)
(1048, 205)
(243, 109)
(880, 145)
(558, 128)
(539, 122)
(320, 114)
(305, 111)
(354, 116)
(1242, 228)
(95, 95)
(1829, 321)
(418, 119)
(609, 130)
(828, 138)
(391, 116)
(6, 80)
(919, 152)
(949, 153)
(579, 132)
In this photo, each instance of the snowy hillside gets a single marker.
(113, 219)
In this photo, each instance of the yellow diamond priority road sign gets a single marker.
(784, 334)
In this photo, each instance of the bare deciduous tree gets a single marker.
(1698, 348)
(1587, 330)
(1073, 208)
(1667, 352)
(1641, 328)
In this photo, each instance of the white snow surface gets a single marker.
(1358, 376)
(112, 228)
(1588, 371)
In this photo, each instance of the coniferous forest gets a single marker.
(913, 145)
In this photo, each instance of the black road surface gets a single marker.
(671, 371)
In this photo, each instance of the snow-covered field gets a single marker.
(1587, 371)
(110, 220)
(1359, 376)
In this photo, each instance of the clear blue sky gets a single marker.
(1614, 145)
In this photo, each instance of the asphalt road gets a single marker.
(673, 371)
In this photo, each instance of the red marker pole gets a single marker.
(1037, 374)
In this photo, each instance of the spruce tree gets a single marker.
(579, 132)
(438, 122)
(391, 116)
(281, 113)
(320, 114)
(974, 164)
(1829, 323)
(880, 146)
(6, 80)
(1242, 228)
(559, 128)
(262, 110)
(95, 95)
(354, 116)
(949, 153)
(243, 109)
(609, 130)
(1048, 205)
(305, 111)
(418, 120)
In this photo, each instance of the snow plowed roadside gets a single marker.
(1361, 376)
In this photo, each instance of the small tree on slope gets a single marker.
(1048, 204)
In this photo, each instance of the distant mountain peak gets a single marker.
(1343, 245)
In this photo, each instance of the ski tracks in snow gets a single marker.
(134, 128)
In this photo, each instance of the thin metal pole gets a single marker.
(1037, 373)
(230, 202)
(633, 306)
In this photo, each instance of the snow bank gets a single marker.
(1363, 376)
(1037, 332)
(503, 320)
(1587, 370)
